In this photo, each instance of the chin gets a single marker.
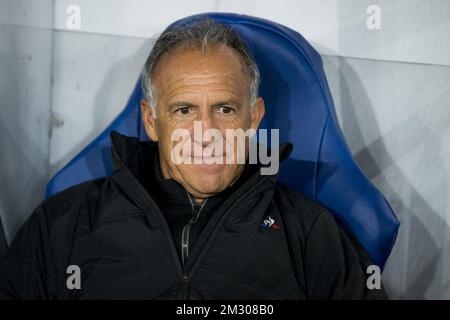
(209, 179)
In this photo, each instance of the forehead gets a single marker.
(215, 69)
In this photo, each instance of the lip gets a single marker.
(209, 157)
(208, 162)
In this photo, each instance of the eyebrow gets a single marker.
(181, 104)
(232, 102)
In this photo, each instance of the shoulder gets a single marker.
(76, 198)
(309, 214)
(320, 229)
(311, 222)
(82, 207)
(297, 208)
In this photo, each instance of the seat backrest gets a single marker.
(299, 104)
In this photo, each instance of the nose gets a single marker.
(206, 118)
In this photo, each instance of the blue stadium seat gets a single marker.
(299, 103)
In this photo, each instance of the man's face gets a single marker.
(210, 87)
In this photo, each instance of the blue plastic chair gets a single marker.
(299, 103)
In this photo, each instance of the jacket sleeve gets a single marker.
(26, 270)
(336, 264)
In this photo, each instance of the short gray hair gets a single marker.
(199, 34)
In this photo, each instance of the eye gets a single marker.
(225, 109)
(183, 110)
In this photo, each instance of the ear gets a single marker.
(257, 113)
(148, 120)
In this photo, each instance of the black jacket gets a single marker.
(113, 228)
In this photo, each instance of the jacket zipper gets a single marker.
(185, 243)
(184, 276)
(183, 291)
(187, 229)
(223, 213)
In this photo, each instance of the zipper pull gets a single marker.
(183, 291)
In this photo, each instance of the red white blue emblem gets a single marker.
(269, 223)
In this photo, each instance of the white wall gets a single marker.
(396, 119)
(391, 88)
(409, 27)
(25, 85)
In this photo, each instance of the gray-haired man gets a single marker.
(161, 229)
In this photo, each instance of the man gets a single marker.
(160, 228)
